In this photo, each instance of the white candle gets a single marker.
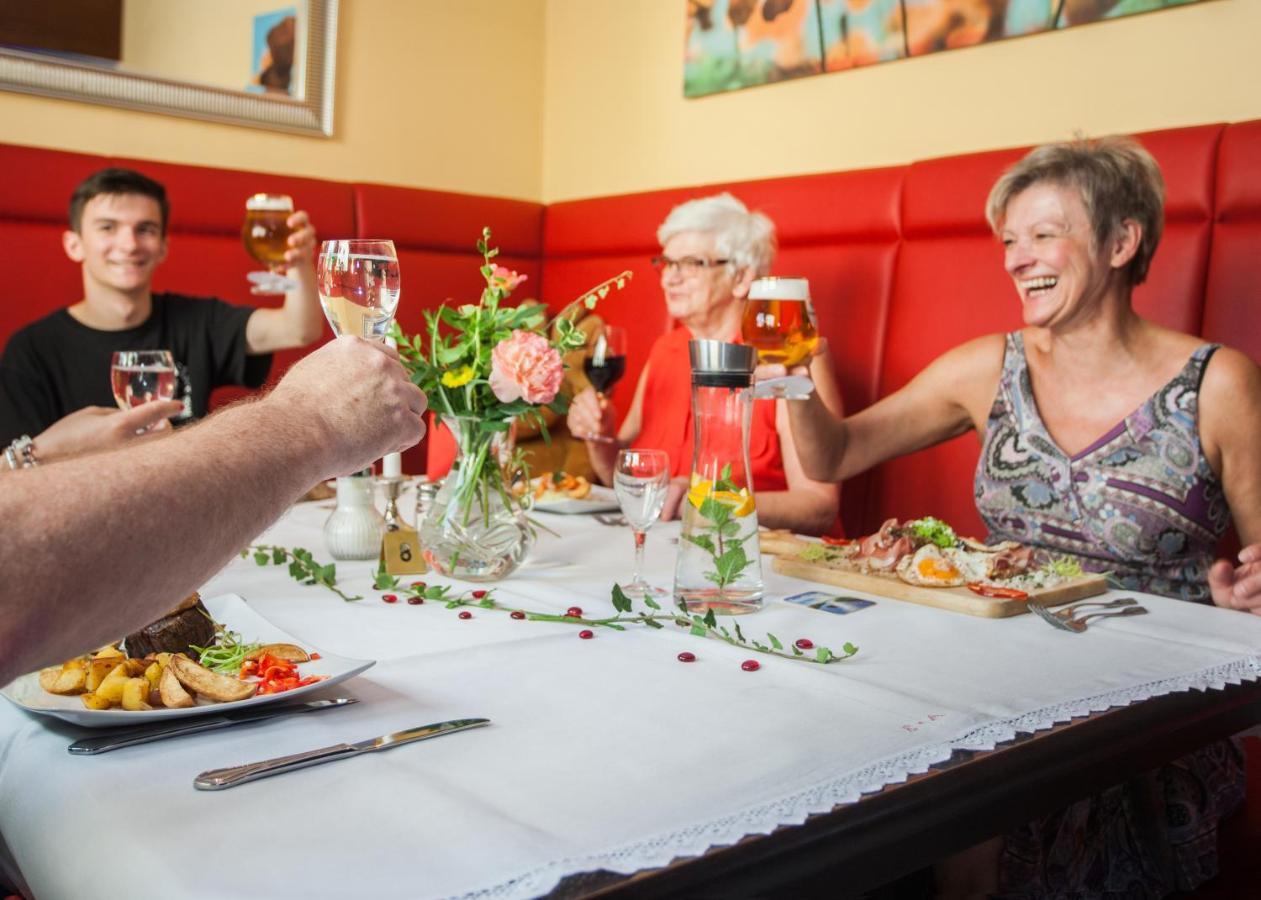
(391, 463)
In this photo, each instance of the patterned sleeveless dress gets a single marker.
(1142, 504)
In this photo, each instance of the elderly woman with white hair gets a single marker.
(1107, 437)
(711, 251)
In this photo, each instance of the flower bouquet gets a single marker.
(484, 366)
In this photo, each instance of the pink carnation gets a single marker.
(525, 365)
(506, 279)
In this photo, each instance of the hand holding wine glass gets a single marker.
(359, 285)
(640, 480)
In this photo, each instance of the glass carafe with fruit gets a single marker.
(779, 322)
(719, 566)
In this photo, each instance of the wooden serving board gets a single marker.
(957, 599)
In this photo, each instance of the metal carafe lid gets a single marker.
(720, 364)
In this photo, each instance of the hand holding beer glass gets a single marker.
(266, 236)
(779, 323)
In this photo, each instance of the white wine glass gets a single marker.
(358, 283)
(641, 479)
(142, 376)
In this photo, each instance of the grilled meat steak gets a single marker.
(187, 624)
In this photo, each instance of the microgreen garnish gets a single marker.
(227, 652)
(303, 566)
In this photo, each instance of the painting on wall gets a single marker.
(733, 44)
(275, 34)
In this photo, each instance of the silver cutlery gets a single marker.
(610, 519)
(158, 731)
(1066, 621)
(1067, 612)
(218, 779)
(1078, 624)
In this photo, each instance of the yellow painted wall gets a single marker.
(616, 120)
(558, 99)
(430, 93)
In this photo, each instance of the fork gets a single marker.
(1067, 612)
(1079, 624)
(606, 519)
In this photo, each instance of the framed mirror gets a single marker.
(262, 63)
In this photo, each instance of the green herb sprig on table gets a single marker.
(303, 566)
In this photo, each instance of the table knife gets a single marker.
(218, 779)
(116, 739)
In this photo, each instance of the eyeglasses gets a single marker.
(688, 266)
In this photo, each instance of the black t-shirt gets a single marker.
(57, 365)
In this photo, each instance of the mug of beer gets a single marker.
(266, 235)
(779, 323)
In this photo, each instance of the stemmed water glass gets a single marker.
(141, 376)
(641, 479)
(266, 235)
(358, 282)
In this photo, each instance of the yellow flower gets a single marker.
(454, 378)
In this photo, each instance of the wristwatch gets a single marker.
(21, 453)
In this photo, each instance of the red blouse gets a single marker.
(667, 416)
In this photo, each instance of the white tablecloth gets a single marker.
(604, 753)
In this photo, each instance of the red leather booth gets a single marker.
(901, 262)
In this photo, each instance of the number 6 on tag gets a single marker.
(400, 553)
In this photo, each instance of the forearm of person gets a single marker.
(298, 322)
(98, 546)
(826, 384)
(800, 510)
(821, 439)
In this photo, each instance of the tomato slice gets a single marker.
(1001, 593)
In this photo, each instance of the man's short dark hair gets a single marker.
(115, 182)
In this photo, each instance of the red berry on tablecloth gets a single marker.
(517, 614)
(750, 665)
(478, 595)
(686, 656)
(803, 643)
(415, 601)
(389, 598)
(465, 614)
(586, 634)
(574, 612)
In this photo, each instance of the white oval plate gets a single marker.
(229, 610)
(601, 499)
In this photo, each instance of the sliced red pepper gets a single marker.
(836, 542)
(1001, 593)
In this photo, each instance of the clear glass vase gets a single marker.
(477, 529)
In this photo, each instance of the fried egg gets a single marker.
(929, 567)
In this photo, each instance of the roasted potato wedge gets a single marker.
(289, 652)
(136, 694)
(107, 652)
(95, 701)
(98, 668)
(48, 677)
(71, 678)
(154, 674)
(111, 686)
(200, 680)
(172, 692)
(580, 489)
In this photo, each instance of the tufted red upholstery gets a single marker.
(901, 262)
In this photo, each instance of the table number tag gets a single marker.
(400, 553)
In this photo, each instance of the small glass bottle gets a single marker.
(355, 529)
(719, 566)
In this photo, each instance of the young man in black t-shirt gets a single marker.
(60, 364)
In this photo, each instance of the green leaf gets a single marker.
(297, 570)
(651, 603)
(774, 641)
(710, 619)
(730, 564)
(621, 602)
(796, 650)
(260, 557)
(278, 555)
(849, 648)
(716, 512)
(739, 633)
(704, 541)
(653, 623)
(822, 654)
(699, 630)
